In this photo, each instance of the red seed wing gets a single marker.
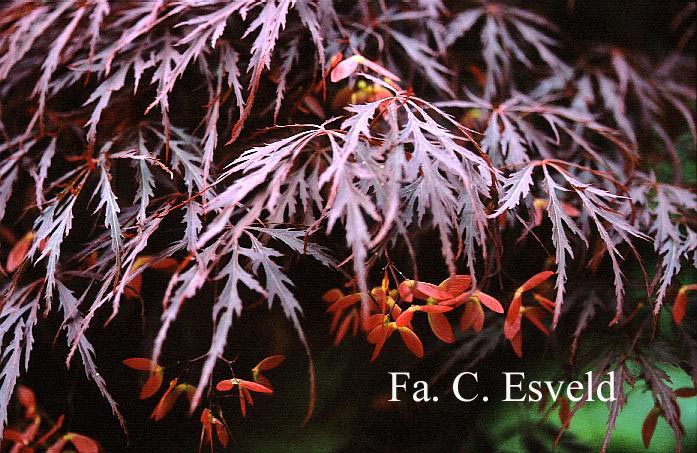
(405, 291)
(680, 307)
(270, 362)
(544, 302)
(332, 295)
(344, 302)
(457, 284)
(435, 308)
(405, 318)
(379, 338)
(224, 386)
(648, 428)
(424, 290)
(253, 386)
(441, 327)
(28, 401)
(535, 281)
(517, 343)
(373, 321)
(343, 328)
(534, 315)
(473, 317)
(564, 412)
(263, 380)
(84, 444)
(344, 69)
(166, 403)
(19, 252)
(140, 364)
(686, 392)
(57, 446)
(490, 302)
(152, 385)
(412, 341)
(221, 432)
(512, 324)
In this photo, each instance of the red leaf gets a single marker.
(649, 426)
(490, 302)
(412, 341)
(441, 327)
(270, 362)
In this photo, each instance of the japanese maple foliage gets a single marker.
(205, 144)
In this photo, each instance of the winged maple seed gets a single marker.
(244, 388)
(81, 443)
(680, 306)
(168, 265)
(342, 320)
(386, 316)
(208, 423)
(565, 146)
(345, 68)
(154, 381)
(656, 412)
(266, 364)
(31, 438)
(516, 311)
(170, 397)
